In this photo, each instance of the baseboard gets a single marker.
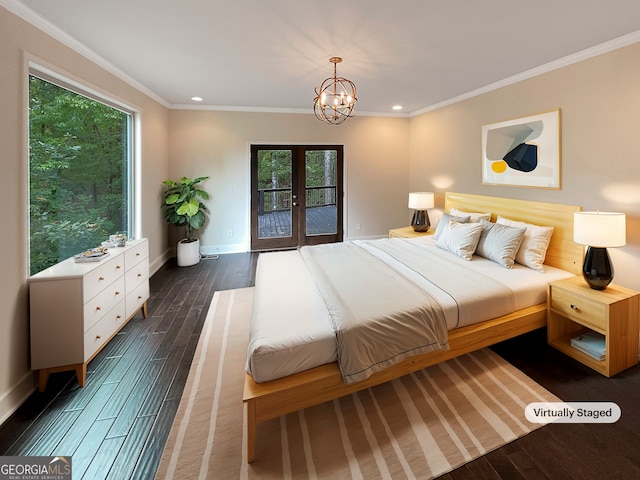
(228, 248)
(16, 396)
(161, 260)
(365, 237)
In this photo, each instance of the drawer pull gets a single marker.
(117, 293)
(139, 275)
(98, 337)
(117, 267)
(139, 297)
(98, 308)
(137, 254)
(101, 278)
(573, 307)
(118, 317)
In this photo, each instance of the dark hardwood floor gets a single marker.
(116, 426)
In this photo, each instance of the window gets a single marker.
(80, 171)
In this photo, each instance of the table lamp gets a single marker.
(420, 201)
(598, 230)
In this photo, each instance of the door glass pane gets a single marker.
(274, 193)
(320, 192)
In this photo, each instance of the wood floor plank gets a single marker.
(35, 427)
(163, 383)
(47, 444)
(104, 458)
(130, 410)
(152, 450)
(88, 448)
(125, 462)
(72, 427)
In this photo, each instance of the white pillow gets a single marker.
(499, 242)
(444, 220)
(460, 238)
(473, 217)
(534, 245)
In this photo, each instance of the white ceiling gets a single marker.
(270, 54)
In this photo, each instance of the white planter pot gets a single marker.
(188, 253)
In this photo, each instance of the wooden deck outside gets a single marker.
(320, 221)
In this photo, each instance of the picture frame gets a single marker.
(523, 152)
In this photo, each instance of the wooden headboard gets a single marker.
(562, 252)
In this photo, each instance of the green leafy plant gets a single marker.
(182, 204)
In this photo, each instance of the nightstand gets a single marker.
(574, 308)
(407, 232)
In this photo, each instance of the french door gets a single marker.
(296, 195)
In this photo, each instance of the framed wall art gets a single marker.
(523, 152)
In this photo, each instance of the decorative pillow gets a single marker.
(499, 242)
(444, 220)
(460, 238)
(473, 217)
(534, 245)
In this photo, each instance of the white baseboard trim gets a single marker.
(161, 260)
(16, 396)
(219, 249)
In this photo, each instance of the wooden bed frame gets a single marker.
(268, 400)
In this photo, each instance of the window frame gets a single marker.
(64, 80)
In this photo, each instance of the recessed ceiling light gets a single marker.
(196, 99)
(397, 107)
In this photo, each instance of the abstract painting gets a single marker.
(523, 152)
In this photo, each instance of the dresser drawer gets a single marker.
(105, 274)
(98, 306)
(136, 298)
(103, 330)
(137, 274)
(585, 311)
(136, 254)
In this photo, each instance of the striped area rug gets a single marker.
(420, 426)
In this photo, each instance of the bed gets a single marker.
(296, 385)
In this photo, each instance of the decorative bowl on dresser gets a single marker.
(76, 308)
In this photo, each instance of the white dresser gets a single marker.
(76, 308)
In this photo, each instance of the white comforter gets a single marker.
(379, 316)
(292, 329)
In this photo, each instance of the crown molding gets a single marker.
(21, 10)
(28, 15)
(580, 56)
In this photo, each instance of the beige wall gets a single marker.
(217, 144)
(599, 101)
(19, 40)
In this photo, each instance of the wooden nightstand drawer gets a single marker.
(574, 309)
(587, 312)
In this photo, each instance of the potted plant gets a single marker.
(183, 208)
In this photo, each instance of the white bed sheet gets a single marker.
(291, 330)
(529, 287)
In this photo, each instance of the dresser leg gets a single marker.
(43, 379)
(81, 372)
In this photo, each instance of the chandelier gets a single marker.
(335, 98)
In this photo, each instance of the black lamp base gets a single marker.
(597, 269)
(420, 221)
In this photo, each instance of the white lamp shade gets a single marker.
(600, 229)
(421, 200)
